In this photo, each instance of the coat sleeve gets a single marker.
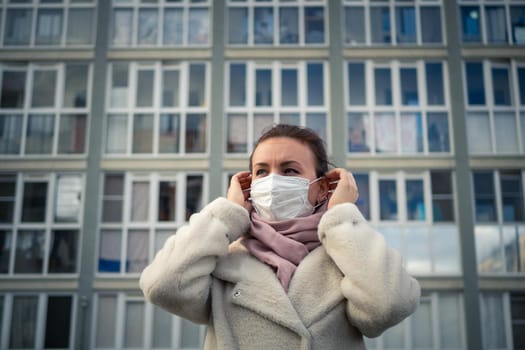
(379, 292)
(179, 278)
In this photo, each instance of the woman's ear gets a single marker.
(323, 190)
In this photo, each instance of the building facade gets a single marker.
(119, 119)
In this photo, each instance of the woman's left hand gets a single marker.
(341, 186)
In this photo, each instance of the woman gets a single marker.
(286, 261)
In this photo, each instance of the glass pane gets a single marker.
(109, 251)
(411, 133)
(169, 130)
(359, 139)
(80, 27)
(418, 257)
(44, 85)
(475, 85)
(478, 128)
(72, 134)
(194, 194)
(68, 198)
(196, 133)
(383, 86)
(140, 201)
(64, 251)
(315, 84)
(117, 131)
(288, 25)
(431, 31)
(511, 247)
(394, 338)
(34, 203)
(18, 27)
(143, 133)
(438, 133)
(39, 134)
(450, 320)
(173, 27)
(145, 88)
(137, 251)
(289, 87)
(261, 122)
(75, 89)
(435, 85)
(134, 325)
(147, 26)
(237, 84)
(263, 87)
(13, 89)
(512, 196)
(446, 255)
(10, 133)
(6, 240)
(415, 200)
(488, 250)
(385, 133)
(517, 15)
(113, 192)
(505, 131)
(22, 334)
(29, 254)
(484, 197)
(354, 22)
(493, 320)
(198, 26)
(190, 335)
(106, 325)
(363, 202)
(501, 86)
(290, 118)
(317, 122)
(119, 86)
(380, 25)
(263, 25)
(197, 90)
(162, 328)
(522, 122)
(122, 27)
(161, 237)
(406, 25)
(49, 27)
(238, 25)
(167, 201)
(58, 322)
(237, 133)
(470, 24)
(496, 24)
(170, 88)
(442, 196)
(356, 84)
(409, 93)
(421, 324)
(314, 25)
(520, 77)
(387, 200)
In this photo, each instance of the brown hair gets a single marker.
(304, 135)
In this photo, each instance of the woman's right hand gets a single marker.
(239, 190)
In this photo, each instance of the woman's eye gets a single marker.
(260, 172)
(291, 171)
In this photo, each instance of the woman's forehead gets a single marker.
(283, 149)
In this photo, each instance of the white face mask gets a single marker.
(276, 197)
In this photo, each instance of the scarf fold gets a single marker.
(283, 244)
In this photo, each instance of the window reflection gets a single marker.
(488, 249)
(29, 254)
(10, 133)
(387, 200)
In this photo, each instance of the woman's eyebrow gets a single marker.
(290, 162)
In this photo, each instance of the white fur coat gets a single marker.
(352, 285)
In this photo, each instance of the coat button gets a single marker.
(237, 294)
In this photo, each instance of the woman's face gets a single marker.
(288, 157)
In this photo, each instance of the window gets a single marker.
(389, 111)
(288, 92)
(183, 23)
(392, 23)
(29, 124)
(43, 237)
(49, 24)
(167, 108)
(136, 207)
(277, 23)
(494, 320)
(493, 114)
(518, 319)
(120, 320)
(489, 24)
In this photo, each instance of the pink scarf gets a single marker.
(283, 244)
